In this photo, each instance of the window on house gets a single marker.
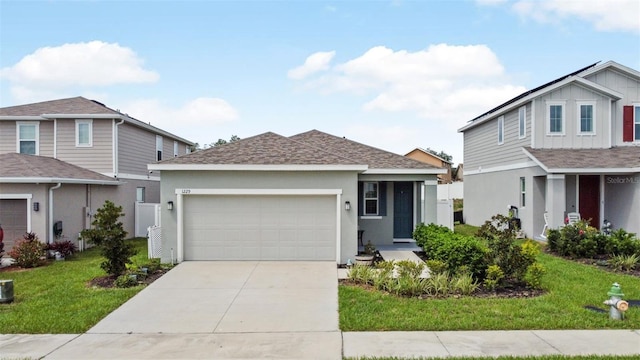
(158, 147)
(84, 133)
(555, 117)
(370, 192)
(175, 148)
(140, 195)
(522, 192)
(586, 118)
(522, 122)
(501, 130)
(187, 149)
(27, 136)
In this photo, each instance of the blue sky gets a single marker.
(392, 74)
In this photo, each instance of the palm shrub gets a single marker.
(109, 235)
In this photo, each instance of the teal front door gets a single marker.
(402, 210)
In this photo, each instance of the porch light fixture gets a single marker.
(169, 205)
(347, 205)
(36, 206)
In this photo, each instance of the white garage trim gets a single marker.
(21, 196)
(180, 193)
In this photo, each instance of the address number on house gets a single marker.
(186, 191)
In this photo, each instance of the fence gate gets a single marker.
(154, 242)
(146, 215)
(445, 213)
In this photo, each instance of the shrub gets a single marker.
(65, 248)
(436, 266)
(437, 285)
(499, 226)
(534, 274)
(361, 274)
(464, 284)
(494, 277)
(410, 268)
(624, 262)
(28, 252)
(110, 236)
(554, 239)
(622, 242)
(125, 281)
(406, 285)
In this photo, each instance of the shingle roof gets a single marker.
(265, 149)
(623, 157)
(360, 153)
(46, 169)
(75, 105)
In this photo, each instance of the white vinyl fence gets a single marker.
(451, 191)
(146, 214)
(445, 213)
(154, 242)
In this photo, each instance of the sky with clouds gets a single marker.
(391, 74)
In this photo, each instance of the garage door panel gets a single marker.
(259, 227)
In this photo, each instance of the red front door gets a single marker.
(589, 199)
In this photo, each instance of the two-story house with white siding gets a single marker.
(61, 159)
(570, 145)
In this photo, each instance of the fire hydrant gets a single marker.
(617, 305)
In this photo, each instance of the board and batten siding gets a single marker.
(571, 95)
(98, 157)
(136, 149)
(621, 83)
(481, 148)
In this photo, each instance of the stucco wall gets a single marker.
(347, 181)
(622, 201)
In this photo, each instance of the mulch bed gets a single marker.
(107, 281)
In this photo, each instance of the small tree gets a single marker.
(109, 234)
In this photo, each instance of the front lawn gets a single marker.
(54, 299)
(545, 357)
(570, 286)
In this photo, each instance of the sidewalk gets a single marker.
(441, 344)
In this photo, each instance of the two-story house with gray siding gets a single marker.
(570, 145)
(61, 159)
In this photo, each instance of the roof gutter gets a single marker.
(46, 180)
(50, 239)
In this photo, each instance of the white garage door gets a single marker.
(259, 227)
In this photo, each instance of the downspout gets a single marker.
(50, 239)
(115, 147)
(55, 138)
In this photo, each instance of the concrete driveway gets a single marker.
(244, 309)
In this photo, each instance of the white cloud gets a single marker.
(190, 120)
(315, 62)
(52, 70)
(610, 15)
(441, 83)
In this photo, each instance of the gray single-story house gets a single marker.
(312, 196)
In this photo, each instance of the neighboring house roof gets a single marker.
(313, 150)
(574, 77)
(625, 159)
(428, 153)
(27, 169)
(76, 107)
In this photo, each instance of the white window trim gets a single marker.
(144, 195)
(636, 137)
(501, 130)
(579, 120)
(365, 198)
(187, 149)
(159, 145)
(88, 122)
(37, 134)
(175, 148)
(522, 110)
(564, 117)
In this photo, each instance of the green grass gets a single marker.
(54, 299)
(465, 229)
(545, 357)
(569, 285)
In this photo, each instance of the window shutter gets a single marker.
(360, 198)
(382, 198)
(627, 124)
